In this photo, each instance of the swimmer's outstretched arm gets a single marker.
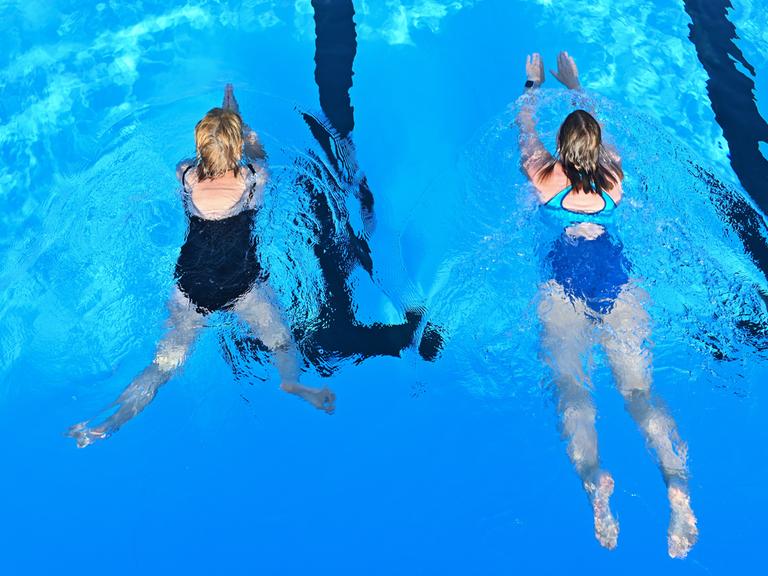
(568, 75)
(259, 310)
(533, 153)
(567, 72)
(184, 324)
(254, 151)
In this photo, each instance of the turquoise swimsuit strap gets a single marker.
(557, 200)
(610, 204)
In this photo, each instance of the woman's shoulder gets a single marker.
(551, 184)
(184, 168)
(616, 193)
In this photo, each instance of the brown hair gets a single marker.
(585, 161)
(219, 143)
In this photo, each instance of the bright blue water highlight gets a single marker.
(447, 468)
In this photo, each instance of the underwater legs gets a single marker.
(184, 324)
(627, 329)
(567, 333)
(259, 311)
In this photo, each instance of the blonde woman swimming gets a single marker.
(587, 296)
(217, 268)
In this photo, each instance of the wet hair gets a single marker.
(219, 143)
(585, 161)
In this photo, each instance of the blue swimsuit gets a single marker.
(593, 271)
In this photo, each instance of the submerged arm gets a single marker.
(254, 150)
(585, 101)
(568, 74)
(532, 151)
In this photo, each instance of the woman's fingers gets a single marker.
(568, 62)
(534, 67)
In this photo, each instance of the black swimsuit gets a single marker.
(218, 262)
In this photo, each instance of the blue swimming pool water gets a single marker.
(447, 467)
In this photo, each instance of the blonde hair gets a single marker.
(580, 151)
(219, 143)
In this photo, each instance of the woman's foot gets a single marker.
(606, 526)
(321, 398)
(683, 532)
(85, 436)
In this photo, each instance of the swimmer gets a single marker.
(588, 293)
(217, 268)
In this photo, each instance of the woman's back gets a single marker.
(218, 262)
(223, 196)
(557, 183)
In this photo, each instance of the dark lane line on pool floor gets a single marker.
(731, 93)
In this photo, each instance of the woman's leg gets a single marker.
(566, 338)
(183, 324)
(259, 310)
(625, 335)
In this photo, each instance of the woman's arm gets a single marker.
(254, 151)
(534, 154)
(568, 74)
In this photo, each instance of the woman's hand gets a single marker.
(230, 102)
(254, 150)
(534, 68)
(567, 73)
(249, 135)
